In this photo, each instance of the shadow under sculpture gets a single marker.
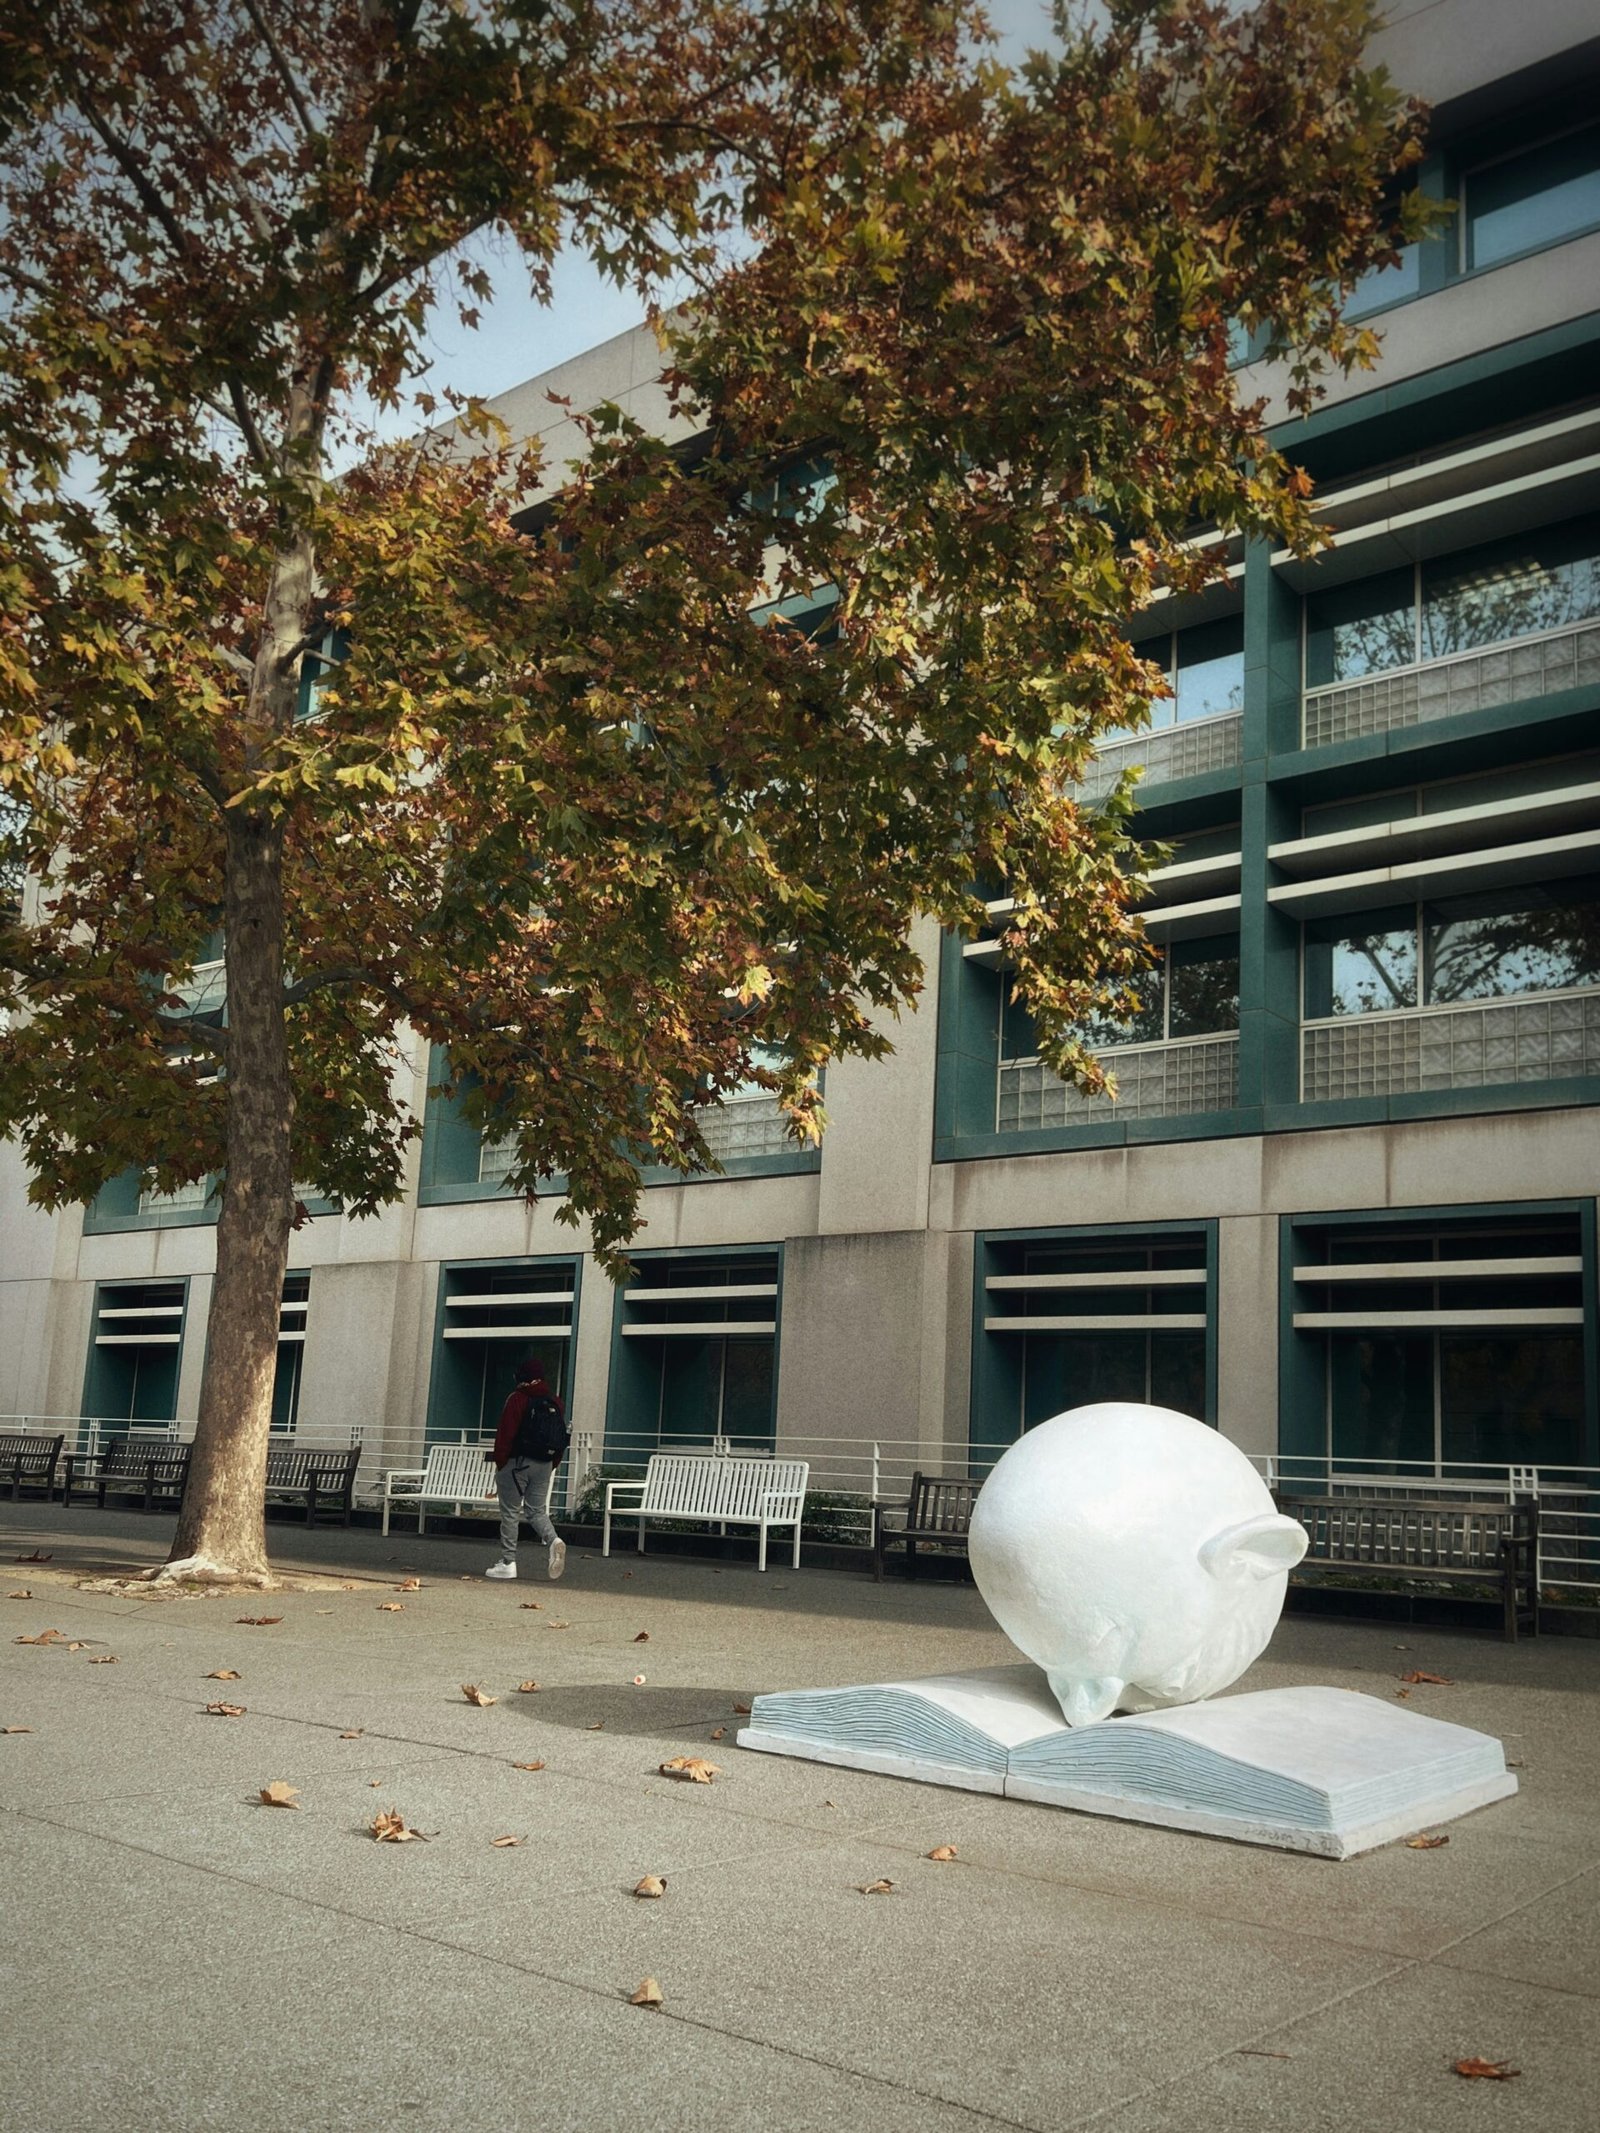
(1136, 1557)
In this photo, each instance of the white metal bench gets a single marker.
(456, 1475)
(727, 1490)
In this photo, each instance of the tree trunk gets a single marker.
(222, 1527)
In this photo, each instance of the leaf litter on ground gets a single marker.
(280, 1794)
(648, 1994)
(480, 1697)
(389, 1826)
(691, 1769)
(651, 1885)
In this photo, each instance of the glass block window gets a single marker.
(1450, 1342)
(1525, 585)
(1537, 197)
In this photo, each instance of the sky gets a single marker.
(518, 338)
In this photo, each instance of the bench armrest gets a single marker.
(612, 1487)
(393, 1474)
(783, 1504)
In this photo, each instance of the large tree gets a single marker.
(623, 769)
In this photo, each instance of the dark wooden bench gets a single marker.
(28, 1460)
(1392, 1541)
(937, 1513)
(317, 1476)
(155, 1472)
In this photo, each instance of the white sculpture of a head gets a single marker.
(1134, 1554)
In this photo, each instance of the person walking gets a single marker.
(529, 1445)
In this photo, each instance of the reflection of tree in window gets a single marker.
(1478, 949)
(1365, 628)
(1366, 966)
(1514, 588)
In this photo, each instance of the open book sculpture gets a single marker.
(1136, 1558)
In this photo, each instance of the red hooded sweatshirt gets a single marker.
(516, 1407)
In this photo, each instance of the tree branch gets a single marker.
(281, 68)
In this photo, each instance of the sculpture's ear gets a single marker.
(1256, 1548)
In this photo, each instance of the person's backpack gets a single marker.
(542, 1432)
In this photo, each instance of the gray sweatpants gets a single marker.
(525, 1494)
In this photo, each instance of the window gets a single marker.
(1537, 197)
(1072, 1320)
(1490, 946)
(697, 1352)
(134, 1351)
(493, 1313)
(1464, 1346)
(1204, 667)
(291, 1351)
(1192, 992)
(1522, 586)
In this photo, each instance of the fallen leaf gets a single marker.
(225, 1710)
(221, 1673)
(1439, 1681)
(638, 1681)
(1425, 1844)
(16, 1729)
(643, 1637)
(648, 1994)
(627, 1573)
(258, 1621)
(1402, 1694)
(409, 1585)
(652, 1885)
(373, 1784)
(527, 1766)
(875, 1888)
(692, 1769)
(278, 1794)
(324, 1610)
(526, 1688)
(19, 1595)
(504, 1844)
(719, 1732)
(36, 1557)
(391, 1607)
(356, 1735)
(1487, 2070)
(78, 1644)
(535, 1605)
(480, 1697)
(830, 1803)
(599, 1726)
(389, 1827)
(561, 1625)
(45, 1636)
(104, 1659)
(942, 1852)
(741, 1710)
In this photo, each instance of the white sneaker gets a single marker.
(501, 1570)
(558, 1559)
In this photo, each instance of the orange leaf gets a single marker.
(648, 1994)
(105, 1659)
(643, 1637)
(16, 1729)
(409, 1585)
(258, 1621)
(221, 1673)
(561, 1625)
(1425, 1844)
(1487, 2069)
(652, 1885)
(480, 1697)
(741, 1710)
(504, 1844)
(526, 1688)
(527, 1766)
(391, 1607)
(225, 1710)
(388, 1825)
(534, 1605)
(719, 1732)
(45, 1636)
(942, 1852)
(1440, 1681)
(876, 1888)
(599, 1726)
(19, 1595)
(691, 1769)
(279, 1794)
(356, 1735)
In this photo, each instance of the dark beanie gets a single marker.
(530, 1371)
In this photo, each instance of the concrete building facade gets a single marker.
(1346, 1202)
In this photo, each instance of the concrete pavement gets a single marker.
(177, 1956)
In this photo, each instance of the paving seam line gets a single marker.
(608, 1996)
